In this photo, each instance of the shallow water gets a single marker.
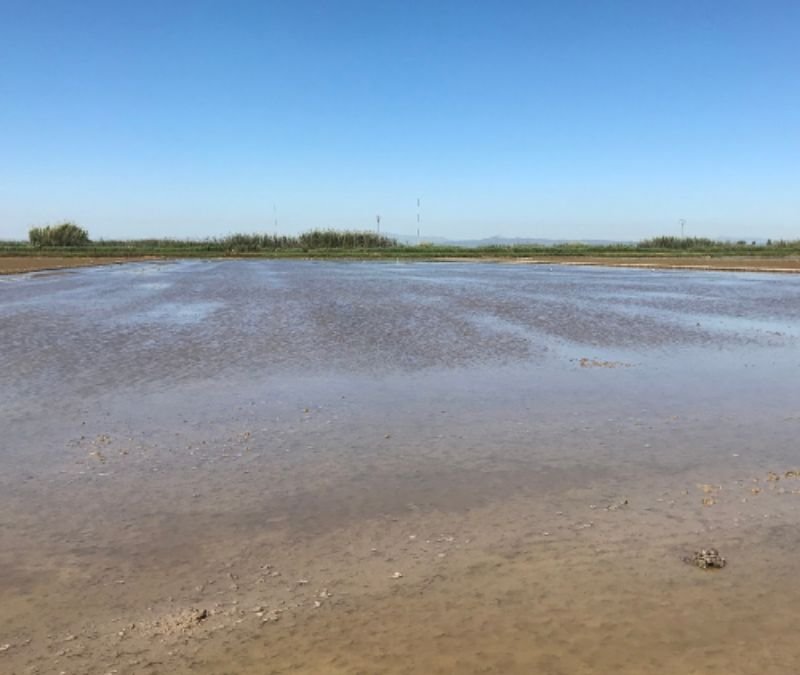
(210, 435)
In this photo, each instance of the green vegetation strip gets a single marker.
(68, 239)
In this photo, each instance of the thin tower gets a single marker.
(683, 225)
(417, 221)
(378, 221)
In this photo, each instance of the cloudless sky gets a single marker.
(592, 119)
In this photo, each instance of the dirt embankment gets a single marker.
(727, 264)
(19, 264)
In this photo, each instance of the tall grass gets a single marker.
(316, 239)
(311, 240)
(45, 240)
(681, 243)
(64, 234)
(365, 244)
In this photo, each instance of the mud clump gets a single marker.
(707, 558)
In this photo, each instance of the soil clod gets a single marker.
(707, 558)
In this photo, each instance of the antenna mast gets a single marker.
(417, 221)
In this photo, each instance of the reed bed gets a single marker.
(68, 239)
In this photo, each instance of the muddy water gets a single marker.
(296, 467)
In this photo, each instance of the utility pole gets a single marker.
(378, 221)
(417, 221)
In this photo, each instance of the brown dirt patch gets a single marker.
(726, 264)
(21, 264)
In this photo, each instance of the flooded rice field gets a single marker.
(297, 467)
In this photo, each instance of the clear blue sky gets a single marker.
(557, 119)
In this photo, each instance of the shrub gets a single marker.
(65, 234)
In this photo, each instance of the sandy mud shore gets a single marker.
(300, 467)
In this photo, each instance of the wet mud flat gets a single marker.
(10, 264)
(250, 467)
